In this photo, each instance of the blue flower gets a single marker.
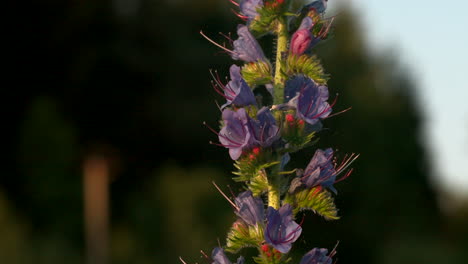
(320, 170)
(317, 256)
(248, 8)
(265, 131)
(309, 99)
(281, 230)
(235, 134)
(219, 257)
(236, 92)
(250, 208)
(246, 47)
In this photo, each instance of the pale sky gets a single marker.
(431, 38)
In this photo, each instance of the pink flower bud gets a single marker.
(300, 41)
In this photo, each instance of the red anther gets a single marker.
(301, 122)
(256, 151)
(268, 254)
(280, 1)
(289, 118)
(265, 248)
(251, 156)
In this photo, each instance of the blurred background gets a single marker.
(107, 161)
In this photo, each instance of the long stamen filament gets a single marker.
(216, 44)
(225, 196)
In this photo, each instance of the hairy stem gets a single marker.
(273, 196)
(274, 185)
(281, 48)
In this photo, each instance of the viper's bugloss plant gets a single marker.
(260, 135)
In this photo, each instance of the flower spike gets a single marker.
(273, 110)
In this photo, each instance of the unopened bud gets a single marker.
(300, 41)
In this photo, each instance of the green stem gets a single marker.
(281, 48)
(273, 196)
(274, 184)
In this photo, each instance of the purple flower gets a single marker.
(317, 256)
(248, 8)
(318, 5)
(323, 169)
(281, 230)
(320, 170)
(236, 92)
(311, 102)
(219, 257)
(265, 131)
(250, 208)
(246, 47)
(301, 39)
(235, 134)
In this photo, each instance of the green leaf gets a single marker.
(307, 65)
(248, 169)
(265, 22)
(259, 184)
(300, 141)
(242, 236)
(257, 73)
(318, 200)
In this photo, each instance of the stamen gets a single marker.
(221, 145)
(219, 107)
(234, 3)
(225, 196)
(181, 260)
(324, 34)
(212, 130)
(216, 44)
(302, 220)
(203, 253)
(232, 193)
(325, 109)
(245, 18)
(341, 112)
(216, 78)
(345, 176)
(227, 37)
(333, 252)
(226, 88)
(348, 162)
